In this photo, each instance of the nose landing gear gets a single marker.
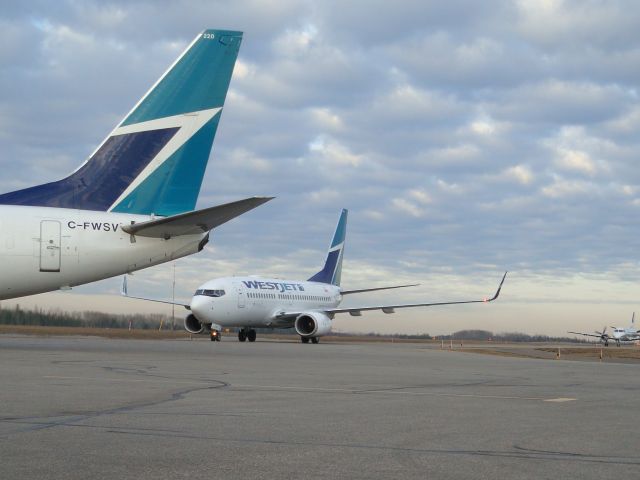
(215, 335)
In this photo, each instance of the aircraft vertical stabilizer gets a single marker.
(154, 161)
(332, 269)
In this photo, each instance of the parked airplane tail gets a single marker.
(332, 269)
(154, 161)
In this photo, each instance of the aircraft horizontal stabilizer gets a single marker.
(193, 223)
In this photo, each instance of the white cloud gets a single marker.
(243, 69)
(294, 43)
(549, 23)
(520, 173)
(561, 188)
(448, 187)
(408, 207)
(244, 159)
(420, 196)
(327, 120)
(483, 127)
(329, 150)
(576, 160)
(629, 190)
(324, 196)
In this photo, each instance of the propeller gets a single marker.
(604, 336)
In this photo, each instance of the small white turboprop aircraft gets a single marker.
(308, 306)
(620, 334)
(130, 205)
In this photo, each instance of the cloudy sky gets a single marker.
(466, 138)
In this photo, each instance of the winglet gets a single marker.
(499, 288)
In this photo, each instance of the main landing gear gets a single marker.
(215, 335)
(247, 334)
(313, 339)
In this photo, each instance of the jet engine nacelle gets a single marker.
(193, 325)
(313, 324)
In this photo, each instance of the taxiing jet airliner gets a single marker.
(620, 334)
(129, 206)
(308, 306)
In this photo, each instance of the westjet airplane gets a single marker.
(130, 205)
(307, 306)
(619, 335)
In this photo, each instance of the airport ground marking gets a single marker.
(134, 380)
(329, 390)
(396, 392)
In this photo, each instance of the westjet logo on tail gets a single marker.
(278, 286)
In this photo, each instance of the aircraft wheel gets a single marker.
(304, 339)
(251, 335)
(242, 335)
(315, 340)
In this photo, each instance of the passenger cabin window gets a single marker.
(210, 293)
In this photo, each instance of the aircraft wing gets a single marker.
(192, 223)
(363, 290)
(357, 311)
(586, 334)
(124, 292)
(632, 337)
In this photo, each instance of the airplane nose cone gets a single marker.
(200, 307)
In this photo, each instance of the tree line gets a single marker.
(59, 318)
(483, 335)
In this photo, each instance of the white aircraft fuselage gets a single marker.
(621, 334)
(260, 302)
(44, 249)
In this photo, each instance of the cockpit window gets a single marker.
(210, 293)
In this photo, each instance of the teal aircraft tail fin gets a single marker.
(154, 161)
(332, 270)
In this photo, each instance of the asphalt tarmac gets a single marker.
(77, 407)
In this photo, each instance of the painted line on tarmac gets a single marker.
(397, 392)
(134, 380)
(325, 390)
